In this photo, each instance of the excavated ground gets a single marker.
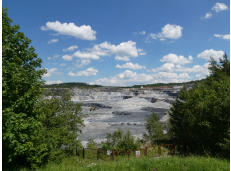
(125, 110)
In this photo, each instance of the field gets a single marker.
(144, 163)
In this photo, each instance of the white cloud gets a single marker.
(203, 70)
(70, 68)
(87, 72)
(55, 56)
(83, 32)
(55, 63)
(124, 51)
(219, 7)
(130, 66)
(207, 15)
(63, 64)
(52, 71)
(83, 62)
(86, 55)
(227, 36)
(131, 78)
(143, 32)
(143, 53)
(170, 68)
(173, 58)
(67, 57)
(71, 48)
(211, 53)
(171, 31)
(167, 67)
(118, 58)
(53, 82)
(49, 58)
(53, 41)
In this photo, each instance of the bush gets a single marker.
(120, 141)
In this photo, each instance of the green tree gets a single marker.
(201, 115)
(121, 141)
(155, 128)
(21, 89)
(61, 125)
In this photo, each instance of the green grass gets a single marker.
(144, 163)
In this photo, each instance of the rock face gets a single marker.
(125, 109)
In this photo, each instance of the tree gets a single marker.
(201, 115)
(21, 89)
(155, 128)
(121, 141)
(61, 125)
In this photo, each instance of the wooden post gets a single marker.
(173, 149)
(185, 149)
(83, 153)
(97, 154)
(159, 150)
(146, 151)
(112, 155)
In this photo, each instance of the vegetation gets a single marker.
(34, 130)
(167, 84)
(121, 141)
(155, 129)
(143, 163)
(21, 89)
(201, 115)
(71, 85)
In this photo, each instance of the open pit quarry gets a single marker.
(108, 109)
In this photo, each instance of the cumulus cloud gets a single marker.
(86, 55)
(71, 48)
(88, 72)
(219, 7)
(49, 58)
(143, 32)
(130, 66)
(226, 37)
(173, 58)
(53, 41)
(81, 63)
(124, 51)
(53, 82)
(170, 68)
(55, 56)
(211, 53)
(67, 57)
(169, 31)
(83, 32)
(207, 15)
(131, 78)
(52, 71)
(63, 64)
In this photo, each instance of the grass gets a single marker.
(193, 163)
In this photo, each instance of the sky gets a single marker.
(124, 42)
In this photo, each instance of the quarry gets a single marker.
(106, 110)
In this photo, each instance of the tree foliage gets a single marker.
(34, 130)
(201, 115)
(155, 129)
(61, 125)
(121, 141)
(21, 82)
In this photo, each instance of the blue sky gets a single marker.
(123, 43)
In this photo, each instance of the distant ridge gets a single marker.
(86, 85)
